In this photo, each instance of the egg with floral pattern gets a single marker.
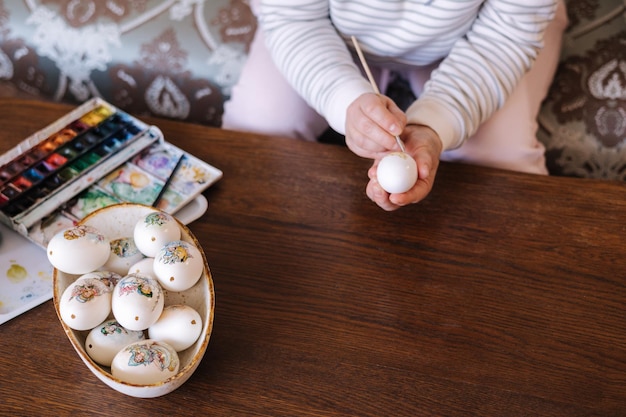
(153, 231)
(124, 254)
(78, 250)
(109, 278)
(107, 339)
(146, 362)
(85, 303)
(178, 265)
(137, 301)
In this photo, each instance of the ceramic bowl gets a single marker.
(118, 221)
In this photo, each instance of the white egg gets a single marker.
(143, 267)
(397, 172)
(107, 277)
(85, 303)
(124, 253)
(107, 339)
(153, 231)
(78, 250)
(178, 265)
(146, 362)
(179, 326)
(137, 301)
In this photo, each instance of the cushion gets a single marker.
(583, 119)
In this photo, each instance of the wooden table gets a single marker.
(501, 294)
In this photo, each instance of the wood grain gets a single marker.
(501, 294)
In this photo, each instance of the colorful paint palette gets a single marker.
(67, 160)
(94, 156)
(58, 158)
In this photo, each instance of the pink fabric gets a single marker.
(507, 140)
(263, 102)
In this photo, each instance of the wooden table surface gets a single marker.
(501, 294)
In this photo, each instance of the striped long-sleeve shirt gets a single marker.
(485, 46)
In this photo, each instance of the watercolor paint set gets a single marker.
(93, 157)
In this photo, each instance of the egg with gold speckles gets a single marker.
(137, 301)
(124, 254)
(154, 230)
(85, 303)
(105, 340)
(143, 267)
(178, 265)
(78, 250)
(179, 325)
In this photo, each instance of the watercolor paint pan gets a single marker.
(60, 167)
(61, 157)
(58, 162)
(87, 160)
(70, 181)
(53, 139)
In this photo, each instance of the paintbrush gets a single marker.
(168, 181)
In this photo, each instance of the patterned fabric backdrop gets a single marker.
(170, 58)
(583, 120)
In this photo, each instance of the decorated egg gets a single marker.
(137, 301)
(397, 172)
(107, 339)
(124, 253)
(178, 265)
(146, 362)
(78, 250)
(179, 326)
(108, 278)
(85, 303)
(154, 230)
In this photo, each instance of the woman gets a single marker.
(479, 70)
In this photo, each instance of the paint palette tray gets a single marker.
(93, 157)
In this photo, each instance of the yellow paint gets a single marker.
(44, 276)
(16, 273)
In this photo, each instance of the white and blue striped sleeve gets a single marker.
(480, 69)
(312, 56)
(483, 68)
